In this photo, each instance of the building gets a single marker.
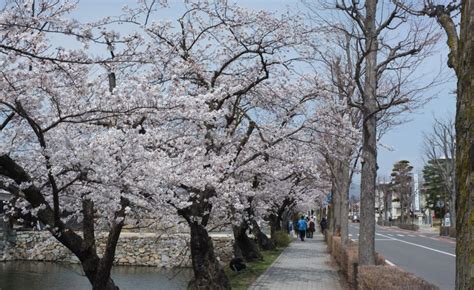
(387, 202)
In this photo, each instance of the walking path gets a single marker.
(301, 266)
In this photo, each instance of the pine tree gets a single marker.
(434, 192)
(401, 185)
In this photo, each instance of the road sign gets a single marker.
(447, 220)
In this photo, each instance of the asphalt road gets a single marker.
(427, 255)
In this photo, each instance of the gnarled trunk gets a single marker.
(275, 219)
(208, 273)
(99, 278)
(244, 247)
(97, 269)
(275, 224)
(261, 238)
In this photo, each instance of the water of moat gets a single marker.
(24, 275)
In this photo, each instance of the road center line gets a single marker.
(421, 246)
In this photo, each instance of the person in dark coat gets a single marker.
(323, 224)
(311, 228)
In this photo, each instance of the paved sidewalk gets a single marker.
(302, 266)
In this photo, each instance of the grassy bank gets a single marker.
(243, 279)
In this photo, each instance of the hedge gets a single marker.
(348, 258)
(409, 227)
(379, 277)
(447, 231)
(390, 278)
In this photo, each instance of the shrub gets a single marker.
(409, 227)
(447, 231)
(348, 257)
(389, 278)
(282, 239)
(336, 248)
(385, 223)
(444, 231)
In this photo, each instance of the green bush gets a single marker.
(282, 239)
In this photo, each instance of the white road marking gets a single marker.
(389, 235)
(400, 235)
(350, 235)
(389, 263)
(422, 236)
(421, 246)
(412, 236)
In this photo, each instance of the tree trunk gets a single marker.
(336, 194)
(208, 273)
(330, 213)
(344, 209)
(402, 209)
(465, 151)
(275, 224)
(99, 278)
(244, 247)
(452, 212)
(369, 142)
(262, 240)
(342, 178)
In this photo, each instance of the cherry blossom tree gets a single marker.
(173, 119)
(56, 155)
(222, 67)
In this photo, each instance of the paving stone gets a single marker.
(302, 266)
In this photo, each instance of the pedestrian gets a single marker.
(311, 228)
(302, 226)
(307, 227)
(323, 224)
(290, 229)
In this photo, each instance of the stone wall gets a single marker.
(137, 249)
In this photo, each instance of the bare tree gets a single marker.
(382, 68)
(440, 150)
(461, 60)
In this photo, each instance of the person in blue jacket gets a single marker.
(302, 226)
